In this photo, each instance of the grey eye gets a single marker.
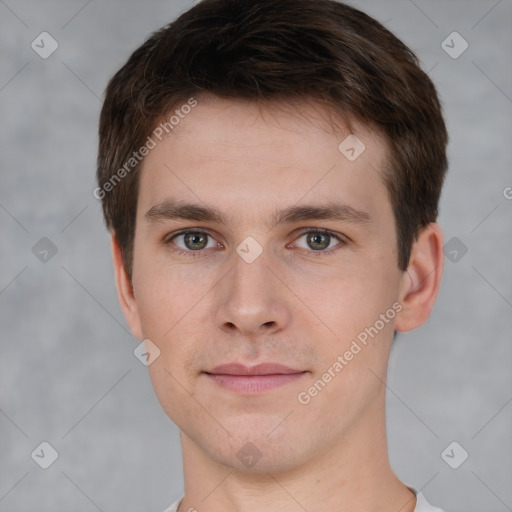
(196, 241)
(193, 241)
(318, 241)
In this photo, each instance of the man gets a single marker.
(270, 174)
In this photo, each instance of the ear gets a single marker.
(125, 290)
(422, 279)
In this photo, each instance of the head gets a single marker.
(253, 124)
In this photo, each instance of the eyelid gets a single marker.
(342, 239)
(169, 239)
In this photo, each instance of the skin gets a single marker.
(292, 305)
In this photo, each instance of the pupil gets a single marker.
(195, 240)
(318, 241)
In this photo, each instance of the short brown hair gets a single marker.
(269, 50)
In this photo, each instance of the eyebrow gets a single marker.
(173, 210)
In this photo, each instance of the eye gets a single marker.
(192, 241)
(315, 242)
(319, 240)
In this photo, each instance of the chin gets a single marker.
(257, 452)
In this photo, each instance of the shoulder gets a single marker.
(422, 505)
(174, 506)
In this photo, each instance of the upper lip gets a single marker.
(259, 369)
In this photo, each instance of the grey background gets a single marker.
(68, 375)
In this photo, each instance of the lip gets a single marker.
(259, 369)
(254, 379)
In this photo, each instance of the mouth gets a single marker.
(254, 379)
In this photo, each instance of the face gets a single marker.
(258, 242)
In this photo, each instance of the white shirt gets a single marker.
(422, 505)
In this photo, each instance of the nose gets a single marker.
(251, 301)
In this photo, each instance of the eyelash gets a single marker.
(168, 241)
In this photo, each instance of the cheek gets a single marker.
(167, 300)
(347, 298)
(175, 308)
(359, 308)
(165, 292)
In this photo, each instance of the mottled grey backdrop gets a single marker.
(68, 375)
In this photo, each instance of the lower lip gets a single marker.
(254, 383)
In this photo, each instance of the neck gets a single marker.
(352, 476)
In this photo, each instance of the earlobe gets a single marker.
(422, 279)
(125, 290)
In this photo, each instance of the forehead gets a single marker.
(235, 122)
(231, 153)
